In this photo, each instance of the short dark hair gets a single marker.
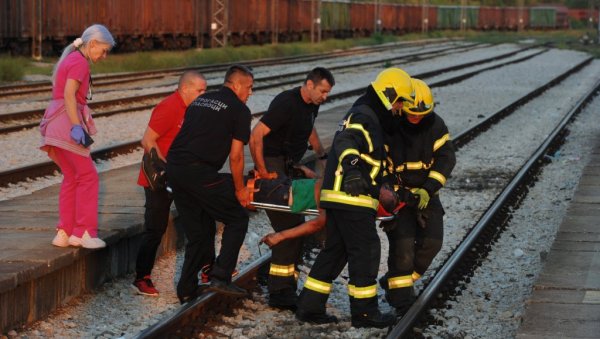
(235, 69)
(318, 74)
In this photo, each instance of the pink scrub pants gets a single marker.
(78, 199)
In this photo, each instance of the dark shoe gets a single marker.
(284, 300)
(375, 319)
(199, 290)
(220, 286)
(315, 318)
(283, 307)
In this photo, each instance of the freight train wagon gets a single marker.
(178, 24)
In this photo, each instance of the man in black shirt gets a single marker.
(216, 125)
(278, 143)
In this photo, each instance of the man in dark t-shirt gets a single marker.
(216, 126)
(278, 143)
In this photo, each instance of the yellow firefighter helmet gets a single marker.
(392, 84)
(422, 103)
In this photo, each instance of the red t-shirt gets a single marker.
(166, 120)
(76, 67)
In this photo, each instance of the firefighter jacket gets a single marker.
(361, 135)
(421, 155)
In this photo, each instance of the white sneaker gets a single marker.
(86, 241)
(75, 241)
(89, 242)
(61, 239)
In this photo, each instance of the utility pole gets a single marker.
(312, 21)
(424, 16)
(315, 19)
(36, 30)
(318, 21)
(463, 16)
(520, 15)
(377, 22)
(219, 25)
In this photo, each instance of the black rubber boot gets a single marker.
(284, 300)
(315, 318)
(373, 319)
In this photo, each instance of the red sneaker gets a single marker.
(145, 286)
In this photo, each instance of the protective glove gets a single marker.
(423, 198)
(354, 183)
(77, 134)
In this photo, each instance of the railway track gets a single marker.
(47, 168)
(123, 78)
(141, 102)
(464, 258)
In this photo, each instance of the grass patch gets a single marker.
(12, 69)
(168, 59)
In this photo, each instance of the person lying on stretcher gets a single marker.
(303, 194)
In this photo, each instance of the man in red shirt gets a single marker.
(165, 123)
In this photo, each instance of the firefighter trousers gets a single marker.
(351, 238)
(412, 249)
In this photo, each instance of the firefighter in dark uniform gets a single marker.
(278, 143)
(216, 126)
(349, 195)
(422, 157)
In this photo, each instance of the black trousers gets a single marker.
(202, 195)
(351, 238)
(286, 254)
(156, 219)
(412, 248)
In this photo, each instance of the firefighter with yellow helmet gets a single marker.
(421, 156)
(349, 195)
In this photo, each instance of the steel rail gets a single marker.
(400, 329)
(47, 168)
(111, 79)
(497, 213)
(38, 113)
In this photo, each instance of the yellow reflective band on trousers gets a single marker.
(400, 282)
(415, 276)
(282, 270)
(362, 292)
(438, 176)
(317, 286)
(346, 199)
(441, 141)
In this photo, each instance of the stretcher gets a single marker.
(296, 196)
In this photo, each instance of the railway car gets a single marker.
(449, 17)
(583, 15)
(490, 18)
(179, 24)
(362, 19)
